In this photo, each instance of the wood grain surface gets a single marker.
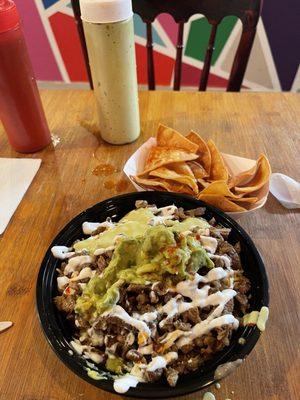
(243, 124)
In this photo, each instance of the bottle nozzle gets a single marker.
(9, 16)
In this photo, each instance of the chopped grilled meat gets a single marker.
(228, 308)
(109, 340)
(101, 324)
(153, 375)
(65, 304)
(223, 336)
(159, 288)
(219, 262)
(227, 248)
(62, 267)
(187, 348)
(237, 247)
(172, 376)
(168, 326)
(134, 355)
(193, 363)
(141, 204)
(182, 326)
(129, 339)
(134, 288)
(196, 212)
(242, 284)
(81, 322)
(168, 297)
(115, 325)
(216, 285)
(153, 297)
(192, 315)
(75, 287)
(214, 232)
(243, 302)
(145, 307)
(101, 263)
(180, 214)
(212, 221)
(142, 298)
(98, 230)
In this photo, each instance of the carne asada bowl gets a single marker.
(152, 295)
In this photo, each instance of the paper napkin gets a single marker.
(16, 174)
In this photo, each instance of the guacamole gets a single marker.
(134, 224)
(161, 254)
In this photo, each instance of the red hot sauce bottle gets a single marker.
(21, 110)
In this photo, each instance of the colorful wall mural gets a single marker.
(274, 64)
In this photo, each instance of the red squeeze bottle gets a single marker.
(21, 110)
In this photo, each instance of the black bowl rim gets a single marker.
(252, 333)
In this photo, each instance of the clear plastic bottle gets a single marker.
(108, 29)
(21, 110)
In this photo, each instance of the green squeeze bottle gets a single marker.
(108, 29)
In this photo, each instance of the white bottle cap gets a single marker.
(105, 11)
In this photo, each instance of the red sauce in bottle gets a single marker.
(21, 110)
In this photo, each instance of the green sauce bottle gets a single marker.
(108, 29)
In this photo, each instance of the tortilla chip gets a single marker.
(198, 171)
(166, 136)
(242, 178)
(203, 150)
(220, 188)
(172, 175)
(261, 177)
(218, 171)
(182, 169)
(203, 183)
(168, 186)
(220, 202)
(159, 156)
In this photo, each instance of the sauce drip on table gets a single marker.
(118, 186)
(104, 170)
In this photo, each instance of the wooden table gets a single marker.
(241, 124)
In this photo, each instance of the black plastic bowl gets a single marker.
(59, 333)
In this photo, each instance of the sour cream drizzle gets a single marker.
(161, 361)
(146, 349)
(199, 297)
(165, 214)
(118, 311)
(147, 317)
(62, 281)
(100, 251)
(89, 227)
(225, 258)
(209, 243)
(123, 384)
(86, 351)
(86, 272)
(62, 252)
(164, 211)
(76, 262)
(207, 325)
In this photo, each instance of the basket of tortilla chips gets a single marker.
(189, 164)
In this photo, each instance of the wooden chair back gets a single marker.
(248, 11)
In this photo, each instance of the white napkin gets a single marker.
(16, 174)
(286, 190)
